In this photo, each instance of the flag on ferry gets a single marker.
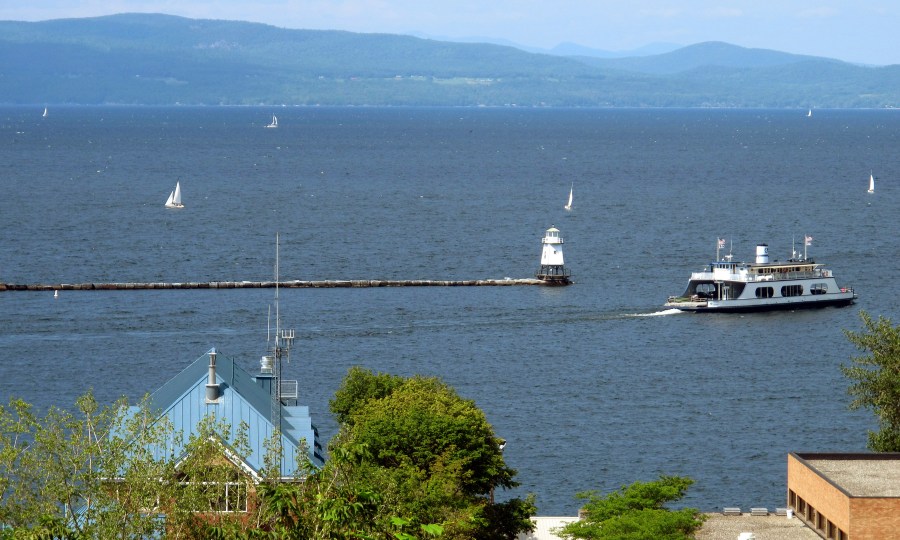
(721, 242)
(809, 240)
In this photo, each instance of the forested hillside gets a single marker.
(165, 60)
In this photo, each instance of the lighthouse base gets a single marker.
(553, 274)
(554, 279)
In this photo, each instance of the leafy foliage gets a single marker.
(636, 512)
(413, 460)
(875, 379)
(72, 473)
(430, 455)
(357, 389)
(115, 471)
(423, 424)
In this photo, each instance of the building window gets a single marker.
(232, 497)
(218, 496)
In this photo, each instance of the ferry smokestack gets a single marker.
(762, 254)
(212, 389)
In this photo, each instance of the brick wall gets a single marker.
(874, 519)
(818, 492)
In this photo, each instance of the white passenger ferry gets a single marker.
(728, 286)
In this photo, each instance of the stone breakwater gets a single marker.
(295, 284)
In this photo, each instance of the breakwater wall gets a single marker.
(295, 284)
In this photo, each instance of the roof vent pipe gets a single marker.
(212, 389)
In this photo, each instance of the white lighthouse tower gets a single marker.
(553, 267)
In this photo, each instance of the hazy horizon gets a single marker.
(858, 32)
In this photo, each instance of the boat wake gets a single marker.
(657, 313)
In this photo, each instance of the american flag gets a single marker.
(721, 242)
(809, 240)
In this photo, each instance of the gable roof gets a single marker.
(242, 399)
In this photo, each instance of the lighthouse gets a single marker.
(553, 267)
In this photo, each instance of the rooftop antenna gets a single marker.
(281, 350)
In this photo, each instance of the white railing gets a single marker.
(752, 278)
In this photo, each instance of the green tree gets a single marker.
(336, 502)
(78, 475)
(636, 512)
(429, 456)
(118, 472)
(359, 387)
(875, 379)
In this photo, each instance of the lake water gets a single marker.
(593, 385)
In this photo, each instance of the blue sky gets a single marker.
(863, 31)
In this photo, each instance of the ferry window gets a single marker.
(792, 290)
(706, 290)
(818, 288)
(764, 292)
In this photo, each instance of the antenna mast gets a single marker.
(281, 350)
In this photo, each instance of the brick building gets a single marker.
(854, 496)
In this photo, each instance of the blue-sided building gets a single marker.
(213, 385)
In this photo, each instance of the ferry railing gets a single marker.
(752, 278)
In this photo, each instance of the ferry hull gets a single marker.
(755, 305)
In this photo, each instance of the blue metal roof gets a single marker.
(241, 399)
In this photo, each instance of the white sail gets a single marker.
(174, 200)
(809, 113)
(274, 123)
(45, 112)
(569, 204)
(871, 183)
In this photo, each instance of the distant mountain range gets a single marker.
(565, 48)
(165, 60)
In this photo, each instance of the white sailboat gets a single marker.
(568, 205)
(871, 183)
(174, 200)
(809, 113)
(274, 123)
(45, 112)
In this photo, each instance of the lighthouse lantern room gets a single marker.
(553, 268)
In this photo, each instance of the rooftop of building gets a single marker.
(716, 527)
(244, 402)
(768, 527)
(859, 474)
